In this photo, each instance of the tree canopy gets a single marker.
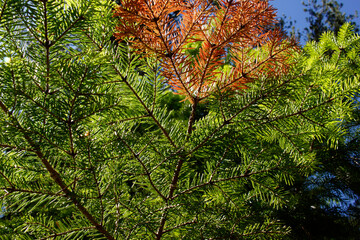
(186, 127)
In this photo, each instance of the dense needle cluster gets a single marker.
(209, 45)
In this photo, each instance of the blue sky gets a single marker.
(294, 9)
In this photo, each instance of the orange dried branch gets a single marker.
(205, 38)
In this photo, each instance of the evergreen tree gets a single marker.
(325, 15)
(92, 146)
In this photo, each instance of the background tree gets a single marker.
(90, 150)
(325, 15)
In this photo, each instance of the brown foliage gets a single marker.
(205, 37)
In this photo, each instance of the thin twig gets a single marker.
(66, 30)
(148, 174)
(67, 232)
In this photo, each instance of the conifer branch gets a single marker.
(100, 195)
(160, 230)
(8, 180)
(192, 117)
(72, 25)
(179, 226)
(31, 31)
(150, 113)
(67, 232)
(56, 176)
(16, 147)
(3, 10)
(46, 193)
(41, 106)
(245, 175)
(47, 45)
(230, 119)
(129, 119)
(147, 172)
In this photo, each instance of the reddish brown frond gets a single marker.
(205, 37)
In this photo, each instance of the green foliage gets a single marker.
(325, 205)
(95, 145)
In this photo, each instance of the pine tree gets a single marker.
(92, 147)
(325, 16)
